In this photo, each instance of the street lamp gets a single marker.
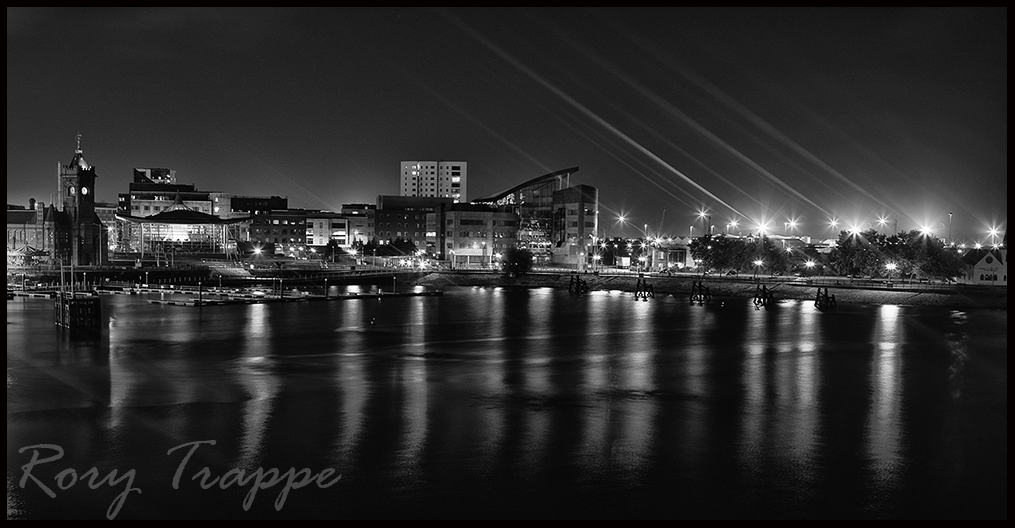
(757, 264)
(621, 220)
(950, 242)
(833, 224)
(891, 269)
(882, 221)
(702, 215)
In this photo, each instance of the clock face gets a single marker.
(84, 190)
(72, 191)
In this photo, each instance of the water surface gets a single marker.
(516, 403)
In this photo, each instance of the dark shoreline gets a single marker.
(958, 298)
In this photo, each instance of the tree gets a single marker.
(720, 253)
(856, 253)
(516, 261)
(332, 250)
(913, 253)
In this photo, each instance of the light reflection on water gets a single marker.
(480, 400)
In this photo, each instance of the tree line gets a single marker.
(909, 255)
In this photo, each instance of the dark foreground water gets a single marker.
(509, 403)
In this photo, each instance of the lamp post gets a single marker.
(833, 224)
(950, 242)
(757, 267)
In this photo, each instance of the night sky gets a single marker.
(759, 115)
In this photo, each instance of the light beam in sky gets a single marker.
(584, 110)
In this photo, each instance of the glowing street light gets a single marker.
(757, 263)
(732, 225)
(833, 224)
(706, 220)
(790, 226)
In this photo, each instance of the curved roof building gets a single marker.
(533, 202)
(517, 194)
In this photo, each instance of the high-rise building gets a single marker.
(435, 179)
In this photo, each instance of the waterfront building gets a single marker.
(471, 235)
(988, 266)
(153, 191)
(30, 235)
(405, 217)
(256, 205)
(669, 253)
(106, 211)
(280, 231)
(361, 221)
(533, 202)
(68, 232)
(575, 224)
(326, 226)
(435, 179)
(179, 230)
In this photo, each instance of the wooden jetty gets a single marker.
(259, 299)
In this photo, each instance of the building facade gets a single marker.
(471, 235)
(68, 232)
(30, 234)
(435, 179)
(361, 219)
(575, 224)
(324, 227)
(153, 191)
(256, 205)
(533, 202)
(283, 229)
(405, 218)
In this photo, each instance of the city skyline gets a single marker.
(771, 115)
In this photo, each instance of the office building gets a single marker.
(435, 179)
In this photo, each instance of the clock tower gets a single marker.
(77, 193)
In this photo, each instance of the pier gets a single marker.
(300, 297)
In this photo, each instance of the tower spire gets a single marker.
(79, 143)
